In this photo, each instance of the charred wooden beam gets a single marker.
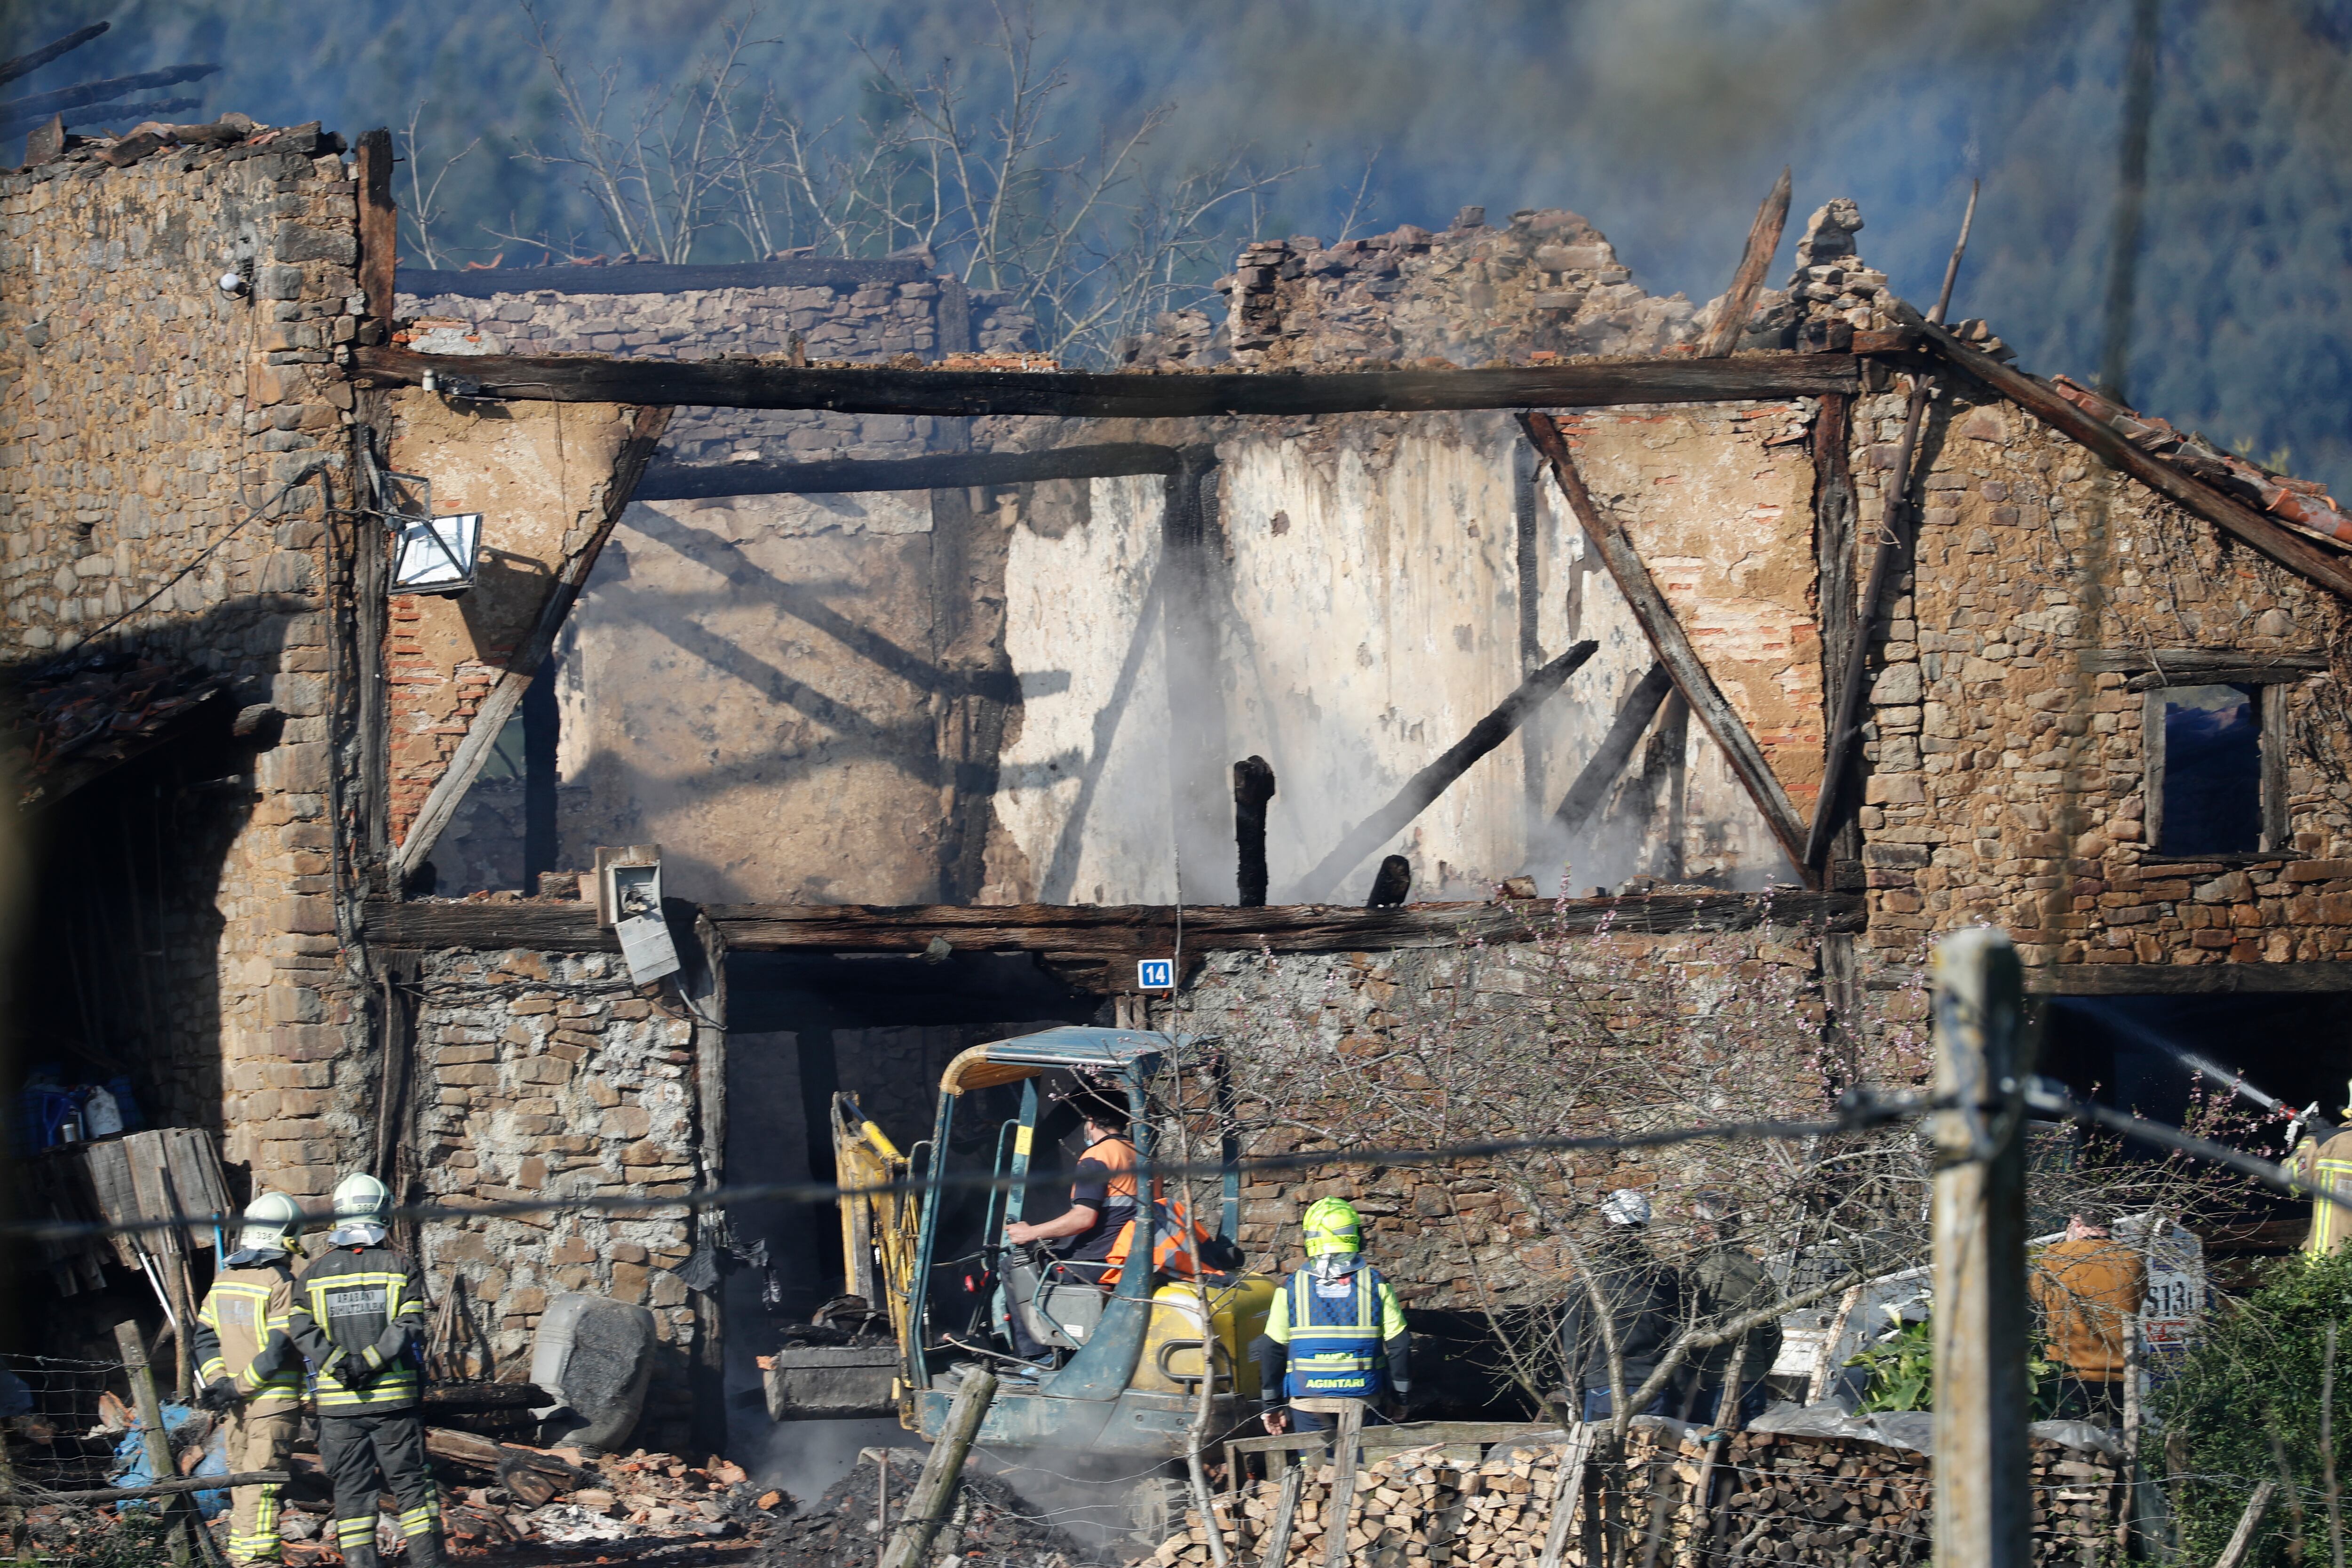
(1110, 933)
(842, 273)
(753, 384)
(379, 222)
(25, 65)
(1896, 534)
(2174, 979)
(1253, 787)
(1432, 781)
(935, 472)
(67, 99)
(1739, 299)
(1835, 512)
(1669, 641)
(1635, 712)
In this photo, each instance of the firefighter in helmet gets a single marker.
(1335, 1331)
(359, 1316)
(2323, 1162)
(248, 1368)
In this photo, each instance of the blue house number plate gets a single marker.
(1155, 974)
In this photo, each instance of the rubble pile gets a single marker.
(572, 1500)
(1776, 1496)
(990, 1523)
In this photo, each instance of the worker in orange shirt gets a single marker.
(2089, 1289)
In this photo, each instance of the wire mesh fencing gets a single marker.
(63, 1423)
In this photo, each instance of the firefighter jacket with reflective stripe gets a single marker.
(2328, 1166)
(359, 1316)
(243, 1335)
(1335, 1330)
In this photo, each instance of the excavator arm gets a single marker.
(878, 1236)
(877, 1224)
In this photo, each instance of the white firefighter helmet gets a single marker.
(361, 1204)
(272, 1221)
(1625, 1206)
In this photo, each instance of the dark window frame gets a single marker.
(2270, 683)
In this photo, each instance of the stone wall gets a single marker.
(1302, 1031)
(151, 427)
(2007, 780)
(547, 1076)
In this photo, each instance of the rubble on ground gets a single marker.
(990, 1524)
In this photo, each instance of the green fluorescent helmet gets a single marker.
(1331, 1226)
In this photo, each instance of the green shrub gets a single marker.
(2245, 1406)
(1902, 1366)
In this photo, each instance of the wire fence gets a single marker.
(64, 1424)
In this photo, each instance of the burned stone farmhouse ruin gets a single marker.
(926, 664)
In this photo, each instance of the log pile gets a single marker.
(1775, 1497)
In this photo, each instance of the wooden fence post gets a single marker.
(150, 1413)
(926, 1509)
(1983, 1507)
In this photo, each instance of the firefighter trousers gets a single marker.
(354, 1448)
(258, 1441)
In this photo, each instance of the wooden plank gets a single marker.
(2179, 979)
(25, 65)
(660, 277)
(379, 222)
(2183, 663)
(2218, 674)
(1286, 1515)
(753, 384)
(1635, 712)
(2315, 563)
(501, 702)
(1755, 259)
(1107, 932)
(2241, 1539)
(935, 472)
(1432, 781)
(1671, 644)
(1570, 1490)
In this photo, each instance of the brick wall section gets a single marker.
(547, 1076)
(143, 414)
(1987, 742)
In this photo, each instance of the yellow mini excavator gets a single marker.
(1119, 1374)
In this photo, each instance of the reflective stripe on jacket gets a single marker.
(1334, 1333)
(2328, 1167)
(242, 1334)
(369, 1304)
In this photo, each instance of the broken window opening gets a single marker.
(2213, 754)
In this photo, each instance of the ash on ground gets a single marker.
(990, 1524)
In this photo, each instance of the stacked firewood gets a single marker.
(1771, 1497)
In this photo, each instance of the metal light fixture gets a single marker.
(431, 554)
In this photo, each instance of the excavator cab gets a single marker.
(1123, 1364)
